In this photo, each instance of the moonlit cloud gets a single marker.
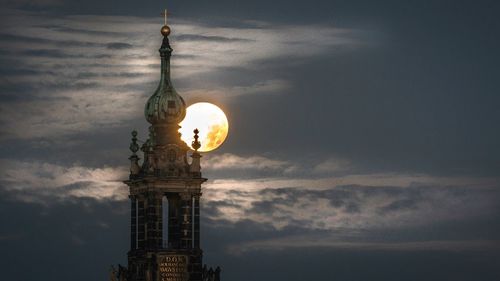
(286, 203)
(341, 212)
(375, 180)
(265, 87)
(347, 209)
(355, 201)
(228, 161)
(83, 73)
(332, 165)
(44, 182)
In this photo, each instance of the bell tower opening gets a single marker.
(164, 222)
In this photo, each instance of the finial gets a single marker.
(196, 143)
(165, 30)
(134, 159)
(134, 147)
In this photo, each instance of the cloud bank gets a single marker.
(334, 212)
(65, 75)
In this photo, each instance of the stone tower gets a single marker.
(165, 193)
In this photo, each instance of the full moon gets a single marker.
(210, 120)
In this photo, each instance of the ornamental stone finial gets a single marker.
(196, 143)
(134, 159)
(195, 167)
(134, 147)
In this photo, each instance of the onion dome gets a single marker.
(165, 106)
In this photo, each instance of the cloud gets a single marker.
(58, 54)
(364, 201)
(85, 73)
(348, 211)
(275, 86)
(118, 46)
(349, 201)
(228, 161)
(332, 165)
(336, 244)
(40, 182)
(374, 180)
(31, 3)
(68, 113)
(198, 37)
(15, 39)
(366, 212)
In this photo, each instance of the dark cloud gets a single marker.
(80, 30)
(197, 37)
(72, 234)
(60, 54)
(47, 53)
(85, 75)
(77, 231)
(402, 204)
(360, 265)
(20, 39)
(118, 46)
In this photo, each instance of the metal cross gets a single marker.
(165, 15)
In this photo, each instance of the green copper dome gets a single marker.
(165, 106)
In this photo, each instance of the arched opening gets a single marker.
(193, 222)
(164, 221)
(133, 224)
(136, 224)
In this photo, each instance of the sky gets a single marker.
(363, 140)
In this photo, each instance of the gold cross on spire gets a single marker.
(164, 14)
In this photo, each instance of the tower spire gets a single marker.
(165, 109)
(165, 192)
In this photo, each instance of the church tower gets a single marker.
(165, 193)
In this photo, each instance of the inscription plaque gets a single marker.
(173, 268)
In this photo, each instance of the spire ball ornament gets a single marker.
(165, 30)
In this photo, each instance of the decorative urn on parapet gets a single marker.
(165, 192)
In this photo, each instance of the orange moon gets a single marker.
(210, 120)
